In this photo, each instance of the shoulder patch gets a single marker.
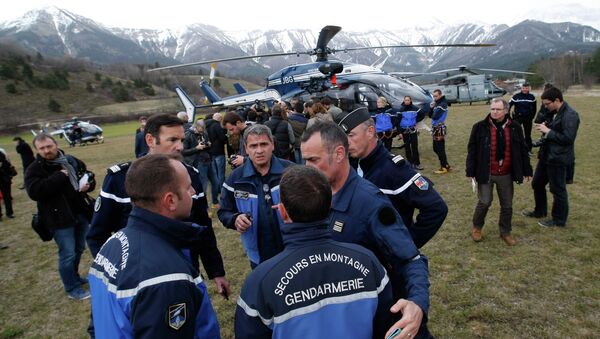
(422, 183)
(176, 315)
(386, 216)
(397, 159)
(118, 167)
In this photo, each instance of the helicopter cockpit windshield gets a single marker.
(393, 89)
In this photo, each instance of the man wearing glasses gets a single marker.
(556, 153)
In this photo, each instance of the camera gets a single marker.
(230, 161)
(537, 143)
(258, 106)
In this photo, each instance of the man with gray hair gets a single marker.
(249, 194)
(497, 154)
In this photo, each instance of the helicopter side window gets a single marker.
(366, 96)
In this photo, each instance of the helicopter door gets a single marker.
(477, 89)
(366, 95)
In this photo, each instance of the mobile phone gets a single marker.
(395, 333)
(225, 294)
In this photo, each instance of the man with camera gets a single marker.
(235, 126)
(53, 180)
(249, 194)
(556, 154)
(195, 152)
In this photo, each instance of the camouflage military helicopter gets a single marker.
(463, 84)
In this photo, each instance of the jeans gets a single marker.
(203, 168)
(218, 176)
(485, 193)
(556, 176)
(71, 243)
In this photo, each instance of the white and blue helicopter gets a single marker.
(345, 82)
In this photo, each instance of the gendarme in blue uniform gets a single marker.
(361, 214)
(114, 205)
(315, 288)
(144, 285)
(407, 190)
(246, 191)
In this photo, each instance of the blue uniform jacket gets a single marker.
(407, 190)
(439, 112)
(525, 105)
(315, 288)
(113, 206)
(144, 286)
(361, 214)
(243, 192)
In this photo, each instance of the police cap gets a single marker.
(350, 120)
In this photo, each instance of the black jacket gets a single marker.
(280, 130)
(191, 155)
(217, 137)
(26, 154)
(479, 149)
(57, 201)
(558, 146)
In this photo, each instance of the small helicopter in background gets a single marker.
(77, 132)
(346, 83)
(466, 85)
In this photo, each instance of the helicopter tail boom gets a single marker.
(190, 106)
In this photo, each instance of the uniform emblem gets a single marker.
(97, 204)
(241, 195)
(176, 316)
(338, 226)
(421, 183)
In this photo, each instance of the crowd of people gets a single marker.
(331, 222)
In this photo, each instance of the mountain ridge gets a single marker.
(57, 32)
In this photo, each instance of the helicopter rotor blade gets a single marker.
(326, 34)
(298, 53)
(411, 46)
(504, 71)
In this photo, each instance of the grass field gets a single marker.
(547, 286)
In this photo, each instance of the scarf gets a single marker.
(499, 126)
(61, 160)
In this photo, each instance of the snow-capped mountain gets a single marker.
(56, 32)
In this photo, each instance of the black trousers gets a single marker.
(411, 146)
(439, 147)
(6, 196)
(527, 123)
(556, 177)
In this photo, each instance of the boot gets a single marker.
(476, 234)
(508, 239)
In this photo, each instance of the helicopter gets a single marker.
(77, 132)
(346, 83)
(466, 85)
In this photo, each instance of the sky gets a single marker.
(242, 15)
